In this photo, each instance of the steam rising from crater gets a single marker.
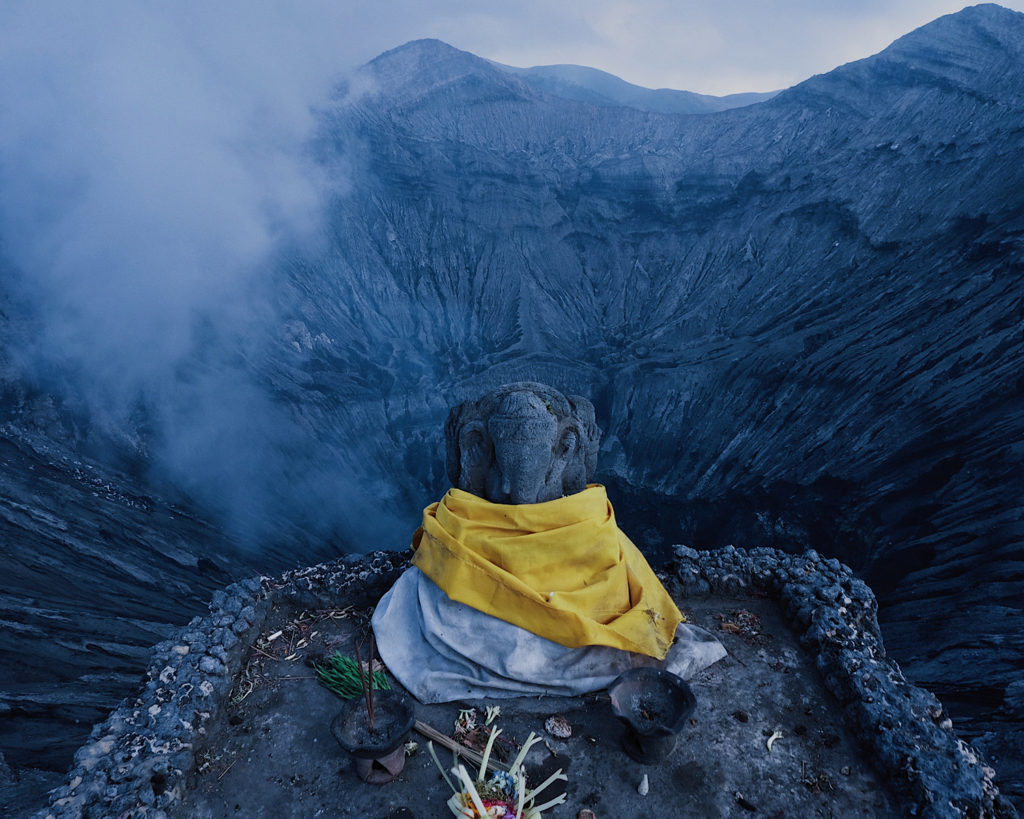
(154, 168)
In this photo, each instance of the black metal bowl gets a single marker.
(654, 705)
(394, 717)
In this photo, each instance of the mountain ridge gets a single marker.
(436, 64)
(598, 87)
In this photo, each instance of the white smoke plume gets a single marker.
(154, 165)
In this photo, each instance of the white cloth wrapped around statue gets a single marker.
(441, 650)
(551, 598)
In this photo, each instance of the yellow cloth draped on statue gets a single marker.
(561, 569)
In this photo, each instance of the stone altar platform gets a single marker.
(227, 725)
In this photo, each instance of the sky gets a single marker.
(708, 46)
(154, 161)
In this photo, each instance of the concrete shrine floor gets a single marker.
(273, 755)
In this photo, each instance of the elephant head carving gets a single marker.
(522, 443)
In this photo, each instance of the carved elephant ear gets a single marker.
(476, 452)
(590, 435)
(566, 475)
(469, 450)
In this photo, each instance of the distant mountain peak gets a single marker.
(421, 66)
(423, 48)
(979, 50)
(428, 57)
(991, 12)
(975, 27)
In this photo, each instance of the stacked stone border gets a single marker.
(908, 737)
(137, 762)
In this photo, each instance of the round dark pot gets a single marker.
(653, 704)
(379, 754)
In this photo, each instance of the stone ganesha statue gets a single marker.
(521, 581)
(522, 443)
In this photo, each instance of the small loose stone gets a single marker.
(558, 726)
(210, 665)
(645, 786)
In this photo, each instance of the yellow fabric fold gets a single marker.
(561, 569)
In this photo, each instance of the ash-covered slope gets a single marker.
(96, 568)
(801, 321)
(95, 573)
